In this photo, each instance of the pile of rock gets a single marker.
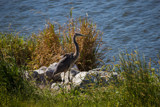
(74, 79)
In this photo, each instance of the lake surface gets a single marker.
(127, 24)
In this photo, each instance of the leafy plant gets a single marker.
(12, 83)
(11, 45)
(140, 81)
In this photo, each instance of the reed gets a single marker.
(140, 80)
(51, 44)
(138, 85)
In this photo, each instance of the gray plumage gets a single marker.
(68, 59)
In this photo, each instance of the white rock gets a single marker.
(50, 70)
(58, 86)
(84, 79)
(93, 78)
(99, 73)
(77, 80)
(41, 70)
(73, 77)
(55, 86)
(38, 75)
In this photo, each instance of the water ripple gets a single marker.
(125, 23)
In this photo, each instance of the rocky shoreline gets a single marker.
(72, 79)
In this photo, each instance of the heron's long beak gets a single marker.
(78, 34)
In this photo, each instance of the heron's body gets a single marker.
(68, 59)
(65, 63)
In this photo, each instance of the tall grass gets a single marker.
(47, 49)
(139, 79)
(54, 41)
(13, 85)
(17, 54)
(138, 84)
(51, 44)
(144, 82)
(13, 46)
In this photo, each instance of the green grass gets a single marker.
(138, 83)
(13, 86)
(14, 46)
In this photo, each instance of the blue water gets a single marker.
(127, 24)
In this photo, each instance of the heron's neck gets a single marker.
(76, 54)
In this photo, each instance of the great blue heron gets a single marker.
(67, 61)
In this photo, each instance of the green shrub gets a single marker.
(139, 80)
(13, 46)
(138, 83)
(13, 85)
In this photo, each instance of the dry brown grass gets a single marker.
(48, 48)
(51, 45)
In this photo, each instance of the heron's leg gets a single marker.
(69, 80)
(64, 78)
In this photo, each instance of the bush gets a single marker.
(51, 45)
(13, 46)
(15, 53)
(12, 84)
(139, 81)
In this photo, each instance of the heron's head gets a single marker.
(78, 34)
